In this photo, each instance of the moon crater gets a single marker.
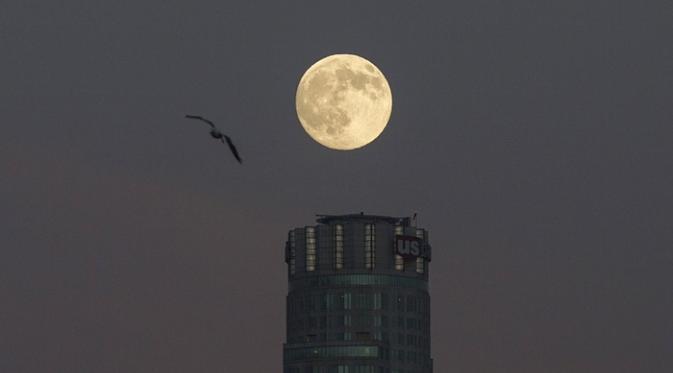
(343, 102)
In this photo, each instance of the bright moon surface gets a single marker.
(344, 101)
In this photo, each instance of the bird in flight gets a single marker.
(217, 134)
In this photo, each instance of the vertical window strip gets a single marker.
(399, 260)
(293, 253)
(338, 246)
(420, 265)
(420, 262)
(309, 233)
(370, 246)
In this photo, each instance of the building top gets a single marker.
(326, 219)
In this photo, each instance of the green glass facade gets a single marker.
(330, 352)
(355, 280)
(354, 305)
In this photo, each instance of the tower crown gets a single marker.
(356, 242)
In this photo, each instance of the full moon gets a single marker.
(344, 101)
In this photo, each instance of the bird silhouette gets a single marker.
(217, 134)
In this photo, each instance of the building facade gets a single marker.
(358, 297)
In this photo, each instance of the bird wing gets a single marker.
(198, 117)
(233, 149)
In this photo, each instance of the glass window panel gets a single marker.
(310, 249)
(420, 265)
(370, 246)
(338, 246)
(293, 253)
(358, 280)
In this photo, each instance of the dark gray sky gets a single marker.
(533, 138)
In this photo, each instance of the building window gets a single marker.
(420, 262)
(341, 280)
(377, 301)
(338, 246)
(348, 301)
(370, 246)
(420, 265)
(333, 353)
(309, 233)
(293, 253)
(399, 260)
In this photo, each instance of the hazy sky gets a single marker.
(532, 137)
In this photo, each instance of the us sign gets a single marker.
(409, 247)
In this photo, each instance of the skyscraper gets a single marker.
(358, 297)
